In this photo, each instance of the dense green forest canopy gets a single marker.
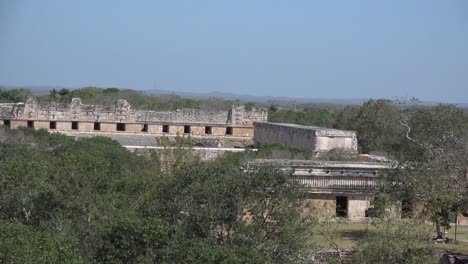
(91, 200)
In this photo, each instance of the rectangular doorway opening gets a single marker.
(406, 209)
(186, 129)
(31, 124)
(97, 126)
(145, 128)
(228, 130)
(120, 126)
(74, 125)
(52, 125)
(341, 206)
(208, 130)
(7, 123)
(165, 128)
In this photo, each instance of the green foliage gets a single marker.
(134, 240)
(138, 100)
(249, 106)
(256, 210)
(14, 95)
(120, 208)
(378, 126)
(338, 155)
(176, 152)
(315, 117)
(436, 160)
(22, 244)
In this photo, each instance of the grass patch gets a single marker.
(462, 233)
(347, 235)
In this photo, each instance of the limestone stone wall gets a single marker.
(357, 205)
(462, 219)
(85, 126)
(316, 138)
(242, 132)
(134, 121)
(63, 125)
(41, 124)
(18, 123)
(122, 111)
(155, 129)
(218, 131)
(197, 130)
(176, 130)
(324, 205)
(133, 128)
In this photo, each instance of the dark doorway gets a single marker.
(97, 126)
(120, 126)
(208, 130)
(186, 129)
(228, 130)
(406, 209)
(31, 124)
(165, 128)
(145, 128)
(7, 123)
(74, 125)
(52, 125)
(342, 206)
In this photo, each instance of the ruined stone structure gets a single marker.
(319, 139)
(337, 188)
(121, 117)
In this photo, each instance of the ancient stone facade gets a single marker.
(319, 139)
(121, 117)
(335, 188)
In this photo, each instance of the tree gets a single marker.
(134, 240)
(22, 244)
(377, 125)
(14, 95)
(256, 211)
(434, 167)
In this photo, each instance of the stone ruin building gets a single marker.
(77, 117)
(318, 139)
(335, 188)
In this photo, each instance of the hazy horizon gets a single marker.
(297, 49)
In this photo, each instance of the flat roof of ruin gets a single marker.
(326, 163)
(315, 128)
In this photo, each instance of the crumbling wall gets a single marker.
(121, 111)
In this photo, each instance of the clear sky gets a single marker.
(317, 49)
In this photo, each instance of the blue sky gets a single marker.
(317, 49)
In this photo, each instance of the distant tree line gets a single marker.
(138, 100)
(14, 95)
